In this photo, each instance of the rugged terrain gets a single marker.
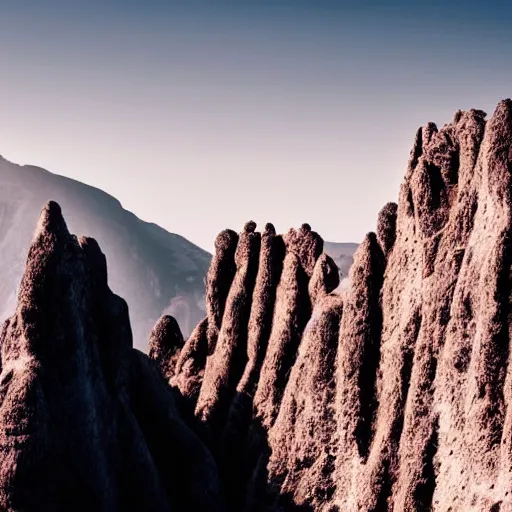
(155, 271)
(391, 396)
(394, 396)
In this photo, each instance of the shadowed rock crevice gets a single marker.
(424, 490)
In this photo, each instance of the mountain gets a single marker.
(155, 271)
(395, 395)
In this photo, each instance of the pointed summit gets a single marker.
(51, 220)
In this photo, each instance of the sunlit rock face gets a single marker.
(393, 394)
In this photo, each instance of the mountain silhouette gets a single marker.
(157, 272)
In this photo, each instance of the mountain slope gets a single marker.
(156, 271)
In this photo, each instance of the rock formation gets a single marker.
(165, 344)
(86, 421)
(394, 395)
(226, 364)
(277, 282)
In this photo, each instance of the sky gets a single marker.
(201, 115)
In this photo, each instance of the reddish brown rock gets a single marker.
(358, 360)
(218, 282)
(386, 227)
(302, 452)
(189, 370)
(165, 344)
(441, 198)
(418, 418)
(236, 464)
(324, 280)
(394, 396)
(306, 244)
(292, 312)
(86, 421)
(225, 366)
(262, 310)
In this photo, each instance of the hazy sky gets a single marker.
(200, 115)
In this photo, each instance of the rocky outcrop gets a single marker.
(165, 344)
(226, 364)
(277, 283)
(218, 282)
(292, 312)
(394, 395)
(302, 456)
(86, 421)
(190, 365)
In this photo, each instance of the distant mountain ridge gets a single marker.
(155, 271)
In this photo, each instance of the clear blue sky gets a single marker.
(200, 115)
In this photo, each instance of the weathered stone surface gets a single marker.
(409, 408)
(165, 344)
(391, 396)
(189, 370)
(292, 312)
(86, 421)
(218, 282)
(302, 452)
(225, 366)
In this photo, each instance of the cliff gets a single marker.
(86, 421)
(394, 395)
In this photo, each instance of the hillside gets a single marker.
(155, 271)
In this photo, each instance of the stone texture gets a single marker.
(86, 421)
(396, 394)
(393, 395)
(165, 344)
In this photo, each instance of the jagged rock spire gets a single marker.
(218, 281)
(419, 414)
(225, 366)
(393, 396)
(86, 422)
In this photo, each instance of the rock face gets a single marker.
(165, 344)
(254, 349)
(86, 421)
(395, 394)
